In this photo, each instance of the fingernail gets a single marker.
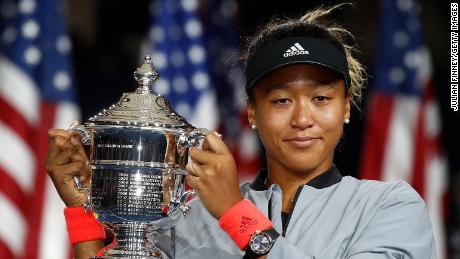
(74, 140)
(73, 124)
(217, 134)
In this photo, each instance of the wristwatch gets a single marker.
(261, 243)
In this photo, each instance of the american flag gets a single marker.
(228, 77)
(36, 94)
(180, 57)
(403, 132)
(199, 72)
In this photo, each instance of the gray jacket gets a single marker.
(331, 217)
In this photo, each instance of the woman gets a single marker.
(301, 81)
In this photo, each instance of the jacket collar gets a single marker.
(324, 180)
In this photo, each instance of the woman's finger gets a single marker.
(60, 146)
(58, 133)
(58, 139)
(192, 181)
(85, 176)
(201, 156)
(78, 146)
(54, 142)
(66, 172)
(76, 156)
(194, 169)
(61, 158)
(215, 144)
(63, 143)
(86, 171)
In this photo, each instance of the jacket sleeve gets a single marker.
(399, 229)
(283, 249)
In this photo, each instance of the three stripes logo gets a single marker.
(295, 50)
(246, 223)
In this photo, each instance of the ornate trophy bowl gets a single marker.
(138, 150)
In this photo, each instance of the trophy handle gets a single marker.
(85, 137)
(84, 189)
(184, 207)
(192, 138)
(84, 133)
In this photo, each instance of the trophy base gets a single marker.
(136, 257)
(125, 257)
(131, 242)
(114, 254)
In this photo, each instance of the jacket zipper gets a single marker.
(291, 210)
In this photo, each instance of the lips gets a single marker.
(302, 142)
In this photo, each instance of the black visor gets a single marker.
(296, 50)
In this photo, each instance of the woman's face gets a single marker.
(299, 111)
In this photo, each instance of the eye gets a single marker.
(282, 101)
(321, 99)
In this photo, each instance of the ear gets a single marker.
(251, 113)
(347, 107)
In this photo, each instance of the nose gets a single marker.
(302, 115)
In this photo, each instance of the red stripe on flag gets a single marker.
(420, 152)
(5, 251)
(375, 139)
(15, 121)
(10, 188)
(425, 147)
(47, 115)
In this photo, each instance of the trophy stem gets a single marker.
(131, 242)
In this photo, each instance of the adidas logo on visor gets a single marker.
(295, 50)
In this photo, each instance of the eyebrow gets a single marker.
(329, 84)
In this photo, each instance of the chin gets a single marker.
(306, 169)
(303, 162)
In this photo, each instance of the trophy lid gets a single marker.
(142, 107)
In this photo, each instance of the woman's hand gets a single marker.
(66, 159)
(213, 175)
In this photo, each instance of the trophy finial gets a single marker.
(146, 75)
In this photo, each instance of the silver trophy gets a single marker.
(138, 150)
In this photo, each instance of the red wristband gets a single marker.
(242, 220)
(82, 226)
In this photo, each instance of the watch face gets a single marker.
(260, 243)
